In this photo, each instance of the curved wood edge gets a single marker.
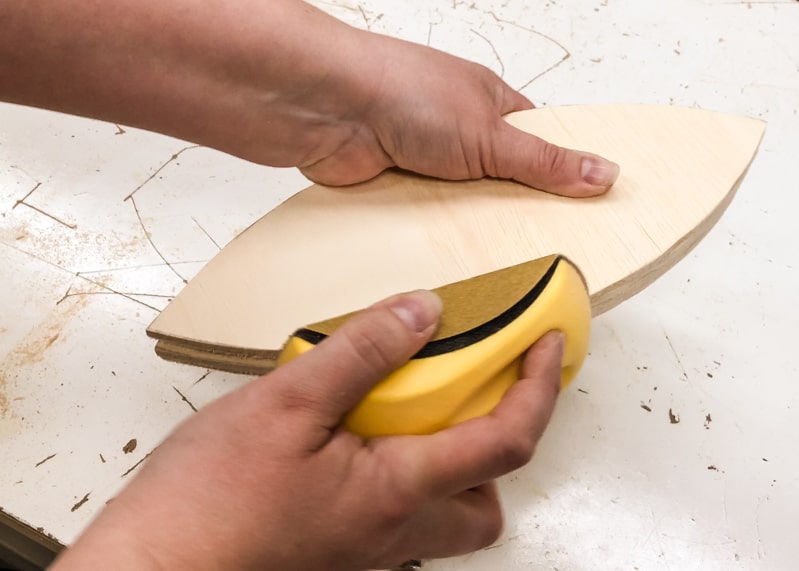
(258, 362)
(609, 297)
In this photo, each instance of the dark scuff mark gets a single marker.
(130, 446)
(184, 399)
(673, 418)
(136, 465)
(81, 502)
(208, 372)
(40, 462)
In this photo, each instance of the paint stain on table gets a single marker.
(130, 446)
(80, 502)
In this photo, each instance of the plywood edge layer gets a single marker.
(245, 361)
(242, 363)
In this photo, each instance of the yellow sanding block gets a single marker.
(488, 323)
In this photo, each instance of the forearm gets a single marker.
(280, 83)
(199, 70)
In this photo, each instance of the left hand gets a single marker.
(281, 83)
(442, 116)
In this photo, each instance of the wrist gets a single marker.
(108, 544)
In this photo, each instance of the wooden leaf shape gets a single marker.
(328, 251)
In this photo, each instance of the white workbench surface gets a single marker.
(100, 225)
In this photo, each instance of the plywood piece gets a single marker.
(328, 251)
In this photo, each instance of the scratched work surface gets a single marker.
(675, 449)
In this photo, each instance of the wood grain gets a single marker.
(328, 251)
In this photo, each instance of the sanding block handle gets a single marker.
(488, 323)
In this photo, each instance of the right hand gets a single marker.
(267, 478)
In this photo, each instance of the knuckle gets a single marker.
(551, 159)
(490, 80)
(367, 346)
(396, 510)
(514, 452)
(492, 528)
(296, 399)
(400, 499)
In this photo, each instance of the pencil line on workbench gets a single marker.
(206, 233)
(365, 18)
(55, 218)
(80, 293)
(526, 29)
(39, 210)
(566, 53)
(109, 291)
(150, 240)
(23, 171)
(546, 71)
(493, 49)
(159, 169)
(676, 356)
(139, 267)
(35, 257)
(31, 191)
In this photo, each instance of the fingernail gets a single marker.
(558, 339)
(598, 171)
(419, 310)
(561, 341)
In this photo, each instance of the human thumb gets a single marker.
(537, 163)
(337, 374)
